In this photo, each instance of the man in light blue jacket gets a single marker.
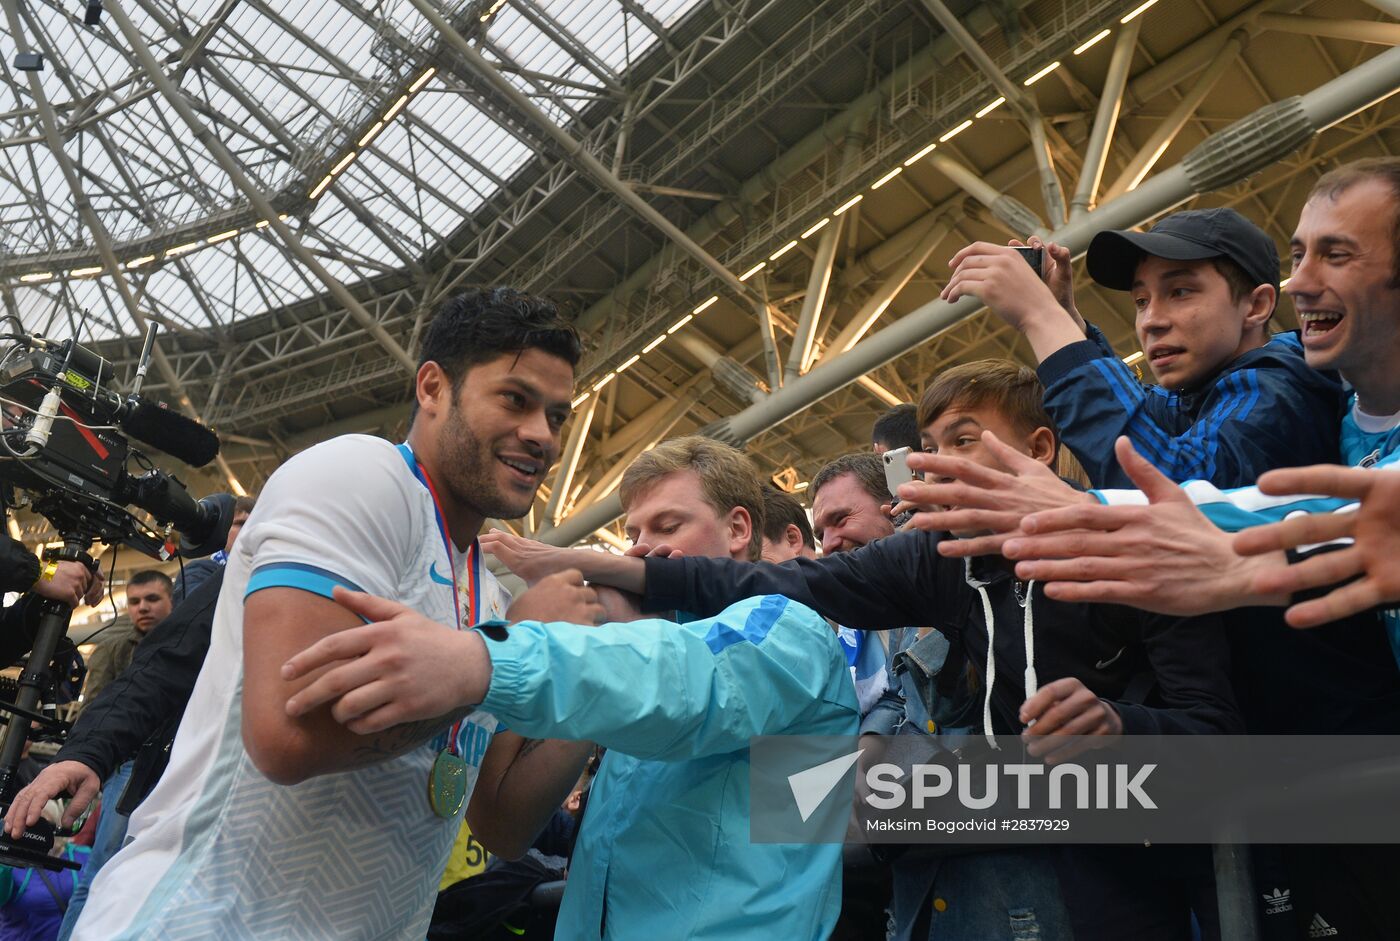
(664, 850)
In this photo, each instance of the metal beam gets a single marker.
(240, 180)
(1232, 154)
(1017, 216)
(568, 463)
(1385, 34)
(100, 237)
(876, 303)
(577, 154)
(817, 284)
(1110, 103)
(1018, 98)
(1166, 130)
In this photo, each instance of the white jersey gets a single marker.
(217, 851)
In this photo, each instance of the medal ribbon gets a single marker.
(473, 571)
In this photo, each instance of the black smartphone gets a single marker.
(1033, 256)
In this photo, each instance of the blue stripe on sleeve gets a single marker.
(296, 575)
(756, 626)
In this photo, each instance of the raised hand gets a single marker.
(1165, 557)
(1372, 559)
(71, 583)
(971, 498)
(562, 596)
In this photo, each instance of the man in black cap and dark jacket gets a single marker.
(1232, 402)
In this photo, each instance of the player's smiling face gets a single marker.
(501, 435)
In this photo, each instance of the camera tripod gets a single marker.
(32, 848)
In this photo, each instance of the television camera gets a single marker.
(65, 451)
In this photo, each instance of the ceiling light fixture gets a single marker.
(1041, 74)
(1138, 12)
(990, 107)
(955, 131)
(886, 178)
(921, 154)
(847, 204)
(1091, 43)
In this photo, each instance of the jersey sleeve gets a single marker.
(662, 691)
(1239, 507)
(341, 513)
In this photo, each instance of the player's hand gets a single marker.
(562, 596)
(70, 583)
(1066, 719)
(59, 778)
(401, 667)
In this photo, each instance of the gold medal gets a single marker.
(447, 784)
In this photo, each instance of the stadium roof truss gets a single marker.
(747, 205)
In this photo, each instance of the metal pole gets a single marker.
(1167, 129)
(1017, 97)
(817, 284)
(1110, 103)
(579, 155)
(1227, 156)
(875, 304)
(1385, 34)
(1016, 214)
(765, 334)
(240, 180)
(568, 463)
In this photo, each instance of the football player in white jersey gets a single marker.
(269, 826)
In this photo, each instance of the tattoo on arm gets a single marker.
(401, 738)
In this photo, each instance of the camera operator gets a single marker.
(121, 743)
(23, 571)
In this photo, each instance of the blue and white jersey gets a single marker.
(217, 850)
(1366, 441)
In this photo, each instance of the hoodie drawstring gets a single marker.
(1032, 683)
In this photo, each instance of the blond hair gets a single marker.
(727, 479)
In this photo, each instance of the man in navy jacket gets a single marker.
(1232, 401)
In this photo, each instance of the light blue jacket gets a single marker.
(664, 851)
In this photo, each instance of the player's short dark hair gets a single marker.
(480, 325)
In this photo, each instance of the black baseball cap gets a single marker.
(1193, 235)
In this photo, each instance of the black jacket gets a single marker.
(1267, 408)
(1162, 674)
(144, 704)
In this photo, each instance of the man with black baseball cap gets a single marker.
(1232, 401)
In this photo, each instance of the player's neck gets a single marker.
(465, 521)
(1377, 391)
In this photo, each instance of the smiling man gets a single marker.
(1204, 284)
(269, 825)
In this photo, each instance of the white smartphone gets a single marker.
(897, 470)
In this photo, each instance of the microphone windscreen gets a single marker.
(171, 432)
